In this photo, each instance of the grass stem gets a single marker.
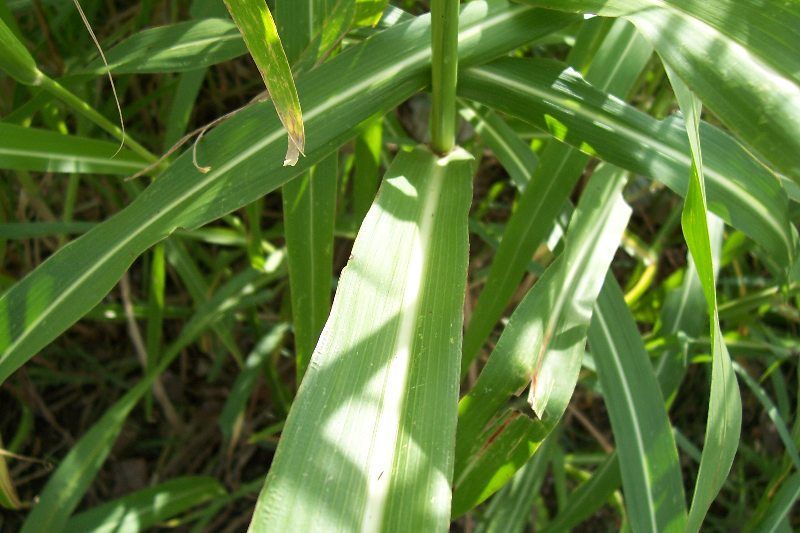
(444, 57)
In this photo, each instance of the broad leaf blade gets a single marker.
(370, 434)
(261, 37)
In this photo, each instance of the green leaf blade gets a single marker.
(309, 213)
(34, 149)
(246, 164)
(725, 406)
(556, 99)
(648, 458)
(261, 37)
(542, 345)
(385, 368)
(15, 59)
(737, 55)
(145, 508)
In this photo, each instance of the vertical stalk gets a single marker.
(444, 69)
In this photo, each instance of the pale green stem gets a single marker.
(444, 69)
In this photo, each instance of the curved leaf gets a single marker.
(555, 98)
(618, 60)
(261, 37)
(739, 56)
(542, 344)
(725, 405)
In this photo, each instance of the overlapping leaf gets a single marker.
(261, 37)
(556, 99)
(739, 56)
(245, 156)
(48, 151)
(620, 57)
(542, 345)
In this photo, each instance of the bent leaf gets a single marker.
(725, 406)
(261, 37)
(617, 63)
(542, 344)
(368, 444)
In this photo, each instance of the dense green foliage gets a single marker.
(525, 265)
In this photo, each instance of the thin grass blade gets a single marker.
(69, 482)
(180, 47)
(725, 405)
(309, 213)
(146, 508)
(34, 149)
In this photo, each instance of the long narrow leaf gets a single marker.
(67, 485)
(370, 434)
(180, 47)
(725, 406)
(556, 99)
(739, 56)
(620, 58)
(309, 212)
(15, 59)
(648, 458)
(261, 37)
(143, 509)
(48, 151)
